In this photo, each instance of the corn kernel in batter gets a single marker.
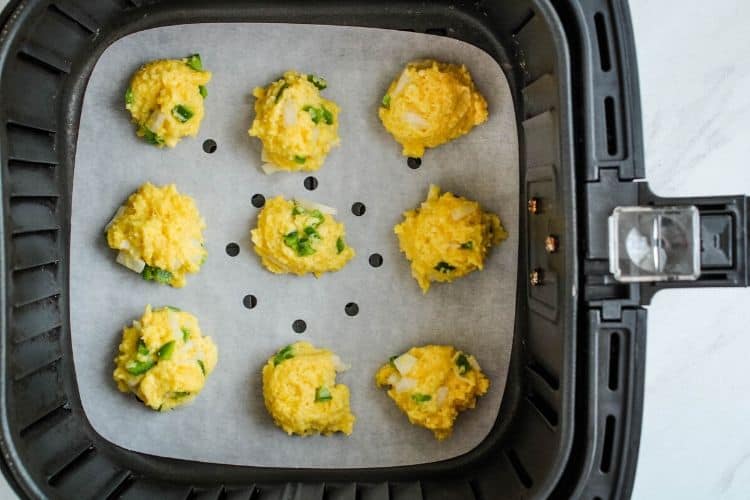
(300, 237)
(429, 104)
(432, 385)
(159, 235)
(296, 125)
(165, 99)
(301, 393)
(447, 237)
(164, 359)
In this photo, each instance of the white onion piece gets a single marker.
(403, 80)
(263, 156)
(404, 363)
(462, 211)
(137, 325)
(311, 205)
(124, 245)
(441, 395)
(393, 379)
(174, 324)
(290, 113)
(405, 384)
(339, 365)
(315, 134)
(113, 219)
(473, 362)
(132, 263)
(414, 119)
(155, 121)
(269, 168)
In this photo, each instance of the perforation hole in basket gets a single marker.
(524, 22)
(351, 309)
(551, 380)
(602, 41)
(250, 301)
(54, 66)
(437, 31)
(73, 22)
(414, 163)
(311, 183)
(58, 476)
(614, 361)
(375, 260)
(47, 421)
(609, 122)
(544, 408)
(299, 326)
(609, 441)
(359, 209)
(518, 468)
(232, 249)
(258, 200)
(209, 146)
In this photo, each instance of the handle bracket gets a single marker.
(723, 240)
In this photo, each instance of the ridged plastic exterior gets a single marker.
(47, 50)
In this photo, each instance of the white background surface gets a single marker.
(694, 63)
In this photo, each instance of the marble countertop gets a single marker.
(694, 64)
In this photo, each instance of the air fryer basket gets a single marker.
(570, 419)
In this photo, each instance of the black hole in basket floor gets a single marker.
(518, 467)
(414, 163)
(351, 309)
(233, 249)
(311, 183)
(610, 126)
(602, 41)
(209, 146)
(299, 326)
(436, 31)
(376, 260)
(608, 446)
(614, 361)
(258, 200)
(359, 208)
(249, 301)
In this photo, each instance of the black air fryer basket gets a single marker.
(569, 423)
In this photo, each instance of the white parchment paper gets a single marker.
(228, 422)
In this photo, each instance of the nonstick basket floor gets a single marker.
(228, 422)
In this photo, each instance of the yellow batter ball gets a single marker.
(447, 237)
(429, 104)
(297, 126)
(301, 393)
(165, 99)
(300, 237)
(432, 384)
(159, 234)
(164, 359)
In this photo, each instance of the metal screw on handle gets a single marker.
(551, 244)
(536, 278)
(534, 205)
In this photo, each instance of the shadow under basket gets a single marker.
(569, 422)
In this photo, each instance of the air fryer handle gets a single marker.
(723, 237)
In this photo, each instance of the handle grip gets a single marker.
(723, 240)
